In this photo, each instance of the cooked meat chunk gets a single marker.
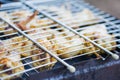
(11, 61)
(47, 44)
(44, 59)
(68, 46)
(3, 51)
(100, 35)
(19, 44)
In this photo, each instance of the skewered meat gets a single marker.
(5, 28)
(37, 23)
(72, 43)
(43, 41)
(19, 44)
(91, 48)
(2, 50)
(71, 46)
(48, 59)
(63, 51)
(44, 59)
(9, 59)
(12, 60)
(99, 33)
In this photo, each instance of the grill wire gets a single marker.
(48, 28)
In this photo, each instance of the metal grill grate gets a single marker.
(52, 33)
(67, 26)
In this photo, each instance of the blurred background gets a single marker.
(110, 6)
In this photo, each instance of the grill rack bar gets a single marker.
(69, 67)
(115, 56)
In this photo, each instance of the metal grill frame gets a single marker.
(57, 22)
(69, 28)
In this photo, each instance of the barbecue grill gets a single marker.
(87, 65)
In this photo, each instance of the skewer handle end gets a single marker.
(71, 68)
(115, 56)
